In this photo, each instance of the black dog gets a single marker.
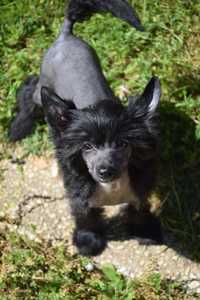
(107, 152)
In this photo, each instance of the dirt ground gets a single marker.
(32, 198)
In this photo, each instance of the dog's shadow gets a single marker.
(178, 188)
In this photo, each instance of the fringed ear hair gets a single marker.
(57, 111)
(151, 95)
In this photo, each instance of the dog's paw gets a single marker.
(89, 243)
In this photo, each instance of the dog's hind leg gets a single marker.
(27, 110)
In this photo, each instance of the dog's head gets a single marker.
(107, 135)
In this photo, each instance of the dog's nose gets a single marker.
(106, 172)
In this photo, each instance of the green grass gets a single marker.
(30, 270)
(169, 48)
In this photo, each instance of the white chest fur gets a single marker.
(115, 192)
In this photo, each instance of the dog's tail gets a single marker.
(27, 111)
(79, 10)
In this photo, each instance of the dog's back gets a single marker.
(71, 67)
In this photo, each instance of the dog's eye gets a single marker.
(122, 144)
(87, 147)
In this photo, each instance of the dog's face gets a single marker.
(107, 135)
(108, 161)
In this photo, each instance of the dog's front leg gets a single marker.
(89, 233)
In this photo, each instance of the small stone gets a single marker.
(194, 285)
(123, 271)
(2, 215)
(3, 227)
(55, 169)
(175, 258)
(89, 267)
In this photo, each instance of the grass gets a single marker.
(169, 48)
(30, 270)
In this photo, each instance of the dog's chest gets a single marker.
(116, 192)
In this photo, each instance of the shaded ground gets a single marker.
(32, 200)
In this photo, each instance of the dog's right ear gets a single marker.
(58, 112)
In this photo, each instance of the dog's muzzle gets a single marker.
(107, 173)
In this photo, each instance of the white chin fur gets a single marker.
(115, 192)
(112, 186)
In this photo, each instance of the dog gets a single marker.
(107, 152)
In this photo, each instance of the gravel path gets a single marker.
(32, 197)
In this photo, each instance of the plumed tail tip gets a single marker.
(138, 26)
(80, 10)
(134, 21)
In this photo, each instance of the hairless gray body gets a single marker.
(72, 69)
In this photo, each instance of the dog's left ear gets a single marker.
(150, 98)
(148, 101)
(58, 112)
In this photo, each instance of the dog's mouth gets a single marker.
(106, 179)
